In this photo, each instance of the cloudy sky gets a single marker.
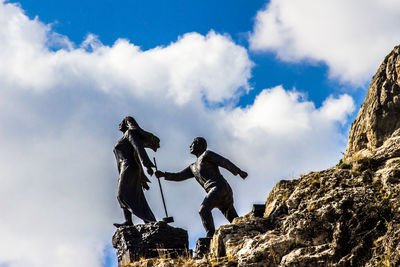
(273, 86)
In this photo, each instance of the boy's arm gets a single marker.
(224, 163)
(176, 176)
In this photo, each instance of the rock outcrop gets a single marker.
(379, 115)
(336, 217)
(348, 215)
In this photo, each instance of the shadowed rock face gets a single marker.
(379, 115)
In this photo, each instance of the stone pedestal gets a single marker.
(149, 240)
(202, 247)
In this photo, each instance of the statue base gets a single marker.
(150, 240)
(202, 247)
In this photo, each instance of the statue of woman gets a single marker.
(130, 155)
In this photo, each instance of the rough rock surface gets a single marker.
(202, 247)
(333, 217)
(149, 240)
(348, 215)
(379, 115)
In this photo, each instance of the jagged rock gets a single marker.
(378, 117)
(229, 239)
(202, 247)
(386, 251)
(278, 195)
(149, 240)
(333, 217)
(308, 256)
(258, 210)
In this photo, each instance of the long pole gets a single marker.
(162, 194)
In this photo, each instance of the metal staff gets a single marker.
(166, 219)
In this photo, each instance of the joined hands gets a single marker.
(159, 174)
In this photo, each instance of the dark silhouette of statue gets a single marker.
(130, 155)
(206, 172)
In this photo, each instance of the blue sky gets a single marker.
(146, 23)
(272, 85)
(158, 23)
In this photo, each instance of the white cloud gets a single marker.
(211, 66)
(337, 109)
(59, 112)
(350, 36)
(282, 135)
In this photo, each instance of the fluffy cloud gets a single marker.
(282, 136)
(351, 37)
(192, 66)
(59, 115)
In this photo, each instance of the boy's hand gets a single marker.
(243, 174)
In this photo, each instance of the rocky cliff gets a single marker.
(379, 115)
(347, 215)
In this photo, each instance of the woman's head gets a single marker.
(147, 139)
(128, 123)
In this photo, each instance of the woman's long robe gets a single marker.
(130, 155)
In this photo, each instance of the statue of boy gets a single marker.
(206, 172)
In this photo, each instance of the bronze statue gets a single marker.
(206, 172)
(130, 155)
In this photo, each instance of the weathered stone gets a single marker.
(308, 256)
(278, 195)
(378, 117)
(334, 219)
(229, 239)
(386, 250)
(149, 240)
(202, 247)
